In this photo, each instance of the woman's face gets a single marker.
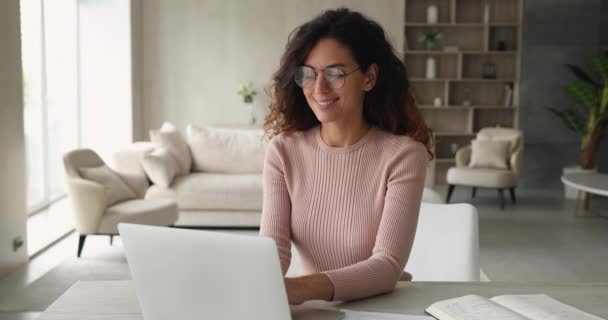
(339, 98)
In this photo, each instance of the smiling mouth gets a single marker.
(325, 103)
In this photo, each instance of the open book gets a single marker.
(507, 307)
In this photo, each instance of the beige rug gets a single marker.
(109, 265)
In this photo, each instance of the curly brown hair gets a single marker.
(389, 106)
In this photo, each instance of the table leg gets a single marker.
(579, 195)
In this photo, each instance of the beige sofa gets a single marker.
(221, 187)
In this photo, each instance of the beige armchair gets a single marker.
(100, 204)
(464, 175)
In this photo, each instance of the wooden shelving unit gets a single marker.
(470, 100)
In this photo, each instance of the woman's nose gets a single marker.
(321, 84)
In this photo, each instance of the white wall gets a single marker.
(12, 159)
(194, 53)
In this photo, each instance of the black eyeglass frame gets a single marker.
(316, 73)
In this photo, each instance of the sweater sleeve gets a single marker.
(276, 205)
(380, 273)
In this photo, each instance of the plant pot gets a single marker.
(571, 193)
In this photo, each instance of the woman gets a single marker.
(345, 168)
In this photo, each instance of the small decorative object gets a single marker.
(508, 99)
(486, 13)
(431, 68)
(488, 70)
(247, 92)
(430, 38)
(437, 102)
(501, 46)
(432, 14)
(450, 49)
(454, 148)
(467, 97)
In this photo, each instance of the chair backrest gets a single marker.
(446, 247)
(430, 195)
(80, 158)
(509, 134)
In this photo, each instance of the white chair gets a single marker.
(93, 214)
(500, 179)
(446, 247)
(430, 195)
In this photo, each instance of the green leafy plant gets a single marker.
(590, 116)
(247, 92)
(430, 38)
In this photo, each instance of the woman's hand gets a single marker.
(310, 287)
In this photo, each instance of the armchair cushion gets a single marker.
(116, 190)
(489, 154)
(482, 177)
(154, 212)
(169, 138)
(160, 166)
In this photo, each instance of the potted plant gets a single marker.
(430, 38)
(590, 116)
(247, 92)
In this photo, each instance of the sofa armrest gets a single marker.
(127, 163)
(463, 156)
(89, 202)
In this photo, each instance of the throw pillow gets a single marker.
(160, 166)
(489, 154)
(168, 137)
(116, 189)
(227, 150)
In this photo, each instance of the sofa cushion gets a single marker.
(160, 166)
(211, 191)
(489, 154)
(169, 138)
(219, 150)
(116, 190)
(481, 177)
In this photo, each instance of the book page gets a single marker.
(542, 307)
(471, 307)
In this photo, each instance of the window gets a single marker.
(51, 112)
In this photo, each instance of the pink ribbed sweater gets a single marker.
(350, 211)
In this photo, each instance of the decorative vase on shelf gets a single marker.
(431, 68)
(432, 13)
(437, 102)
(486, 13)
(252, 119)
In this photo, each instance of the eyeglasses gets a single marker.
(305, 76)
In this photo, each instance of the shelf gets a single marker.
(446, 160)
(456, 107)
(444, 25)
(473, 79)
(483, 80)
(453, 134)
(467, 52)
(431, 80)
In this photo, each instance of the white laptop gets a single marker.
(193, 274)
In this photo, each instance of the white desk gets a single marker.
(592, 182)
(102, 300)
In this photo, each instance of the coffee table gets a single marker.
(587, 183)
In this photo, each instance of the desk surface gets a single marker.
(101, 300)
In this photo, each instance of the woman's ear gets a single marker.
(371, 75)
